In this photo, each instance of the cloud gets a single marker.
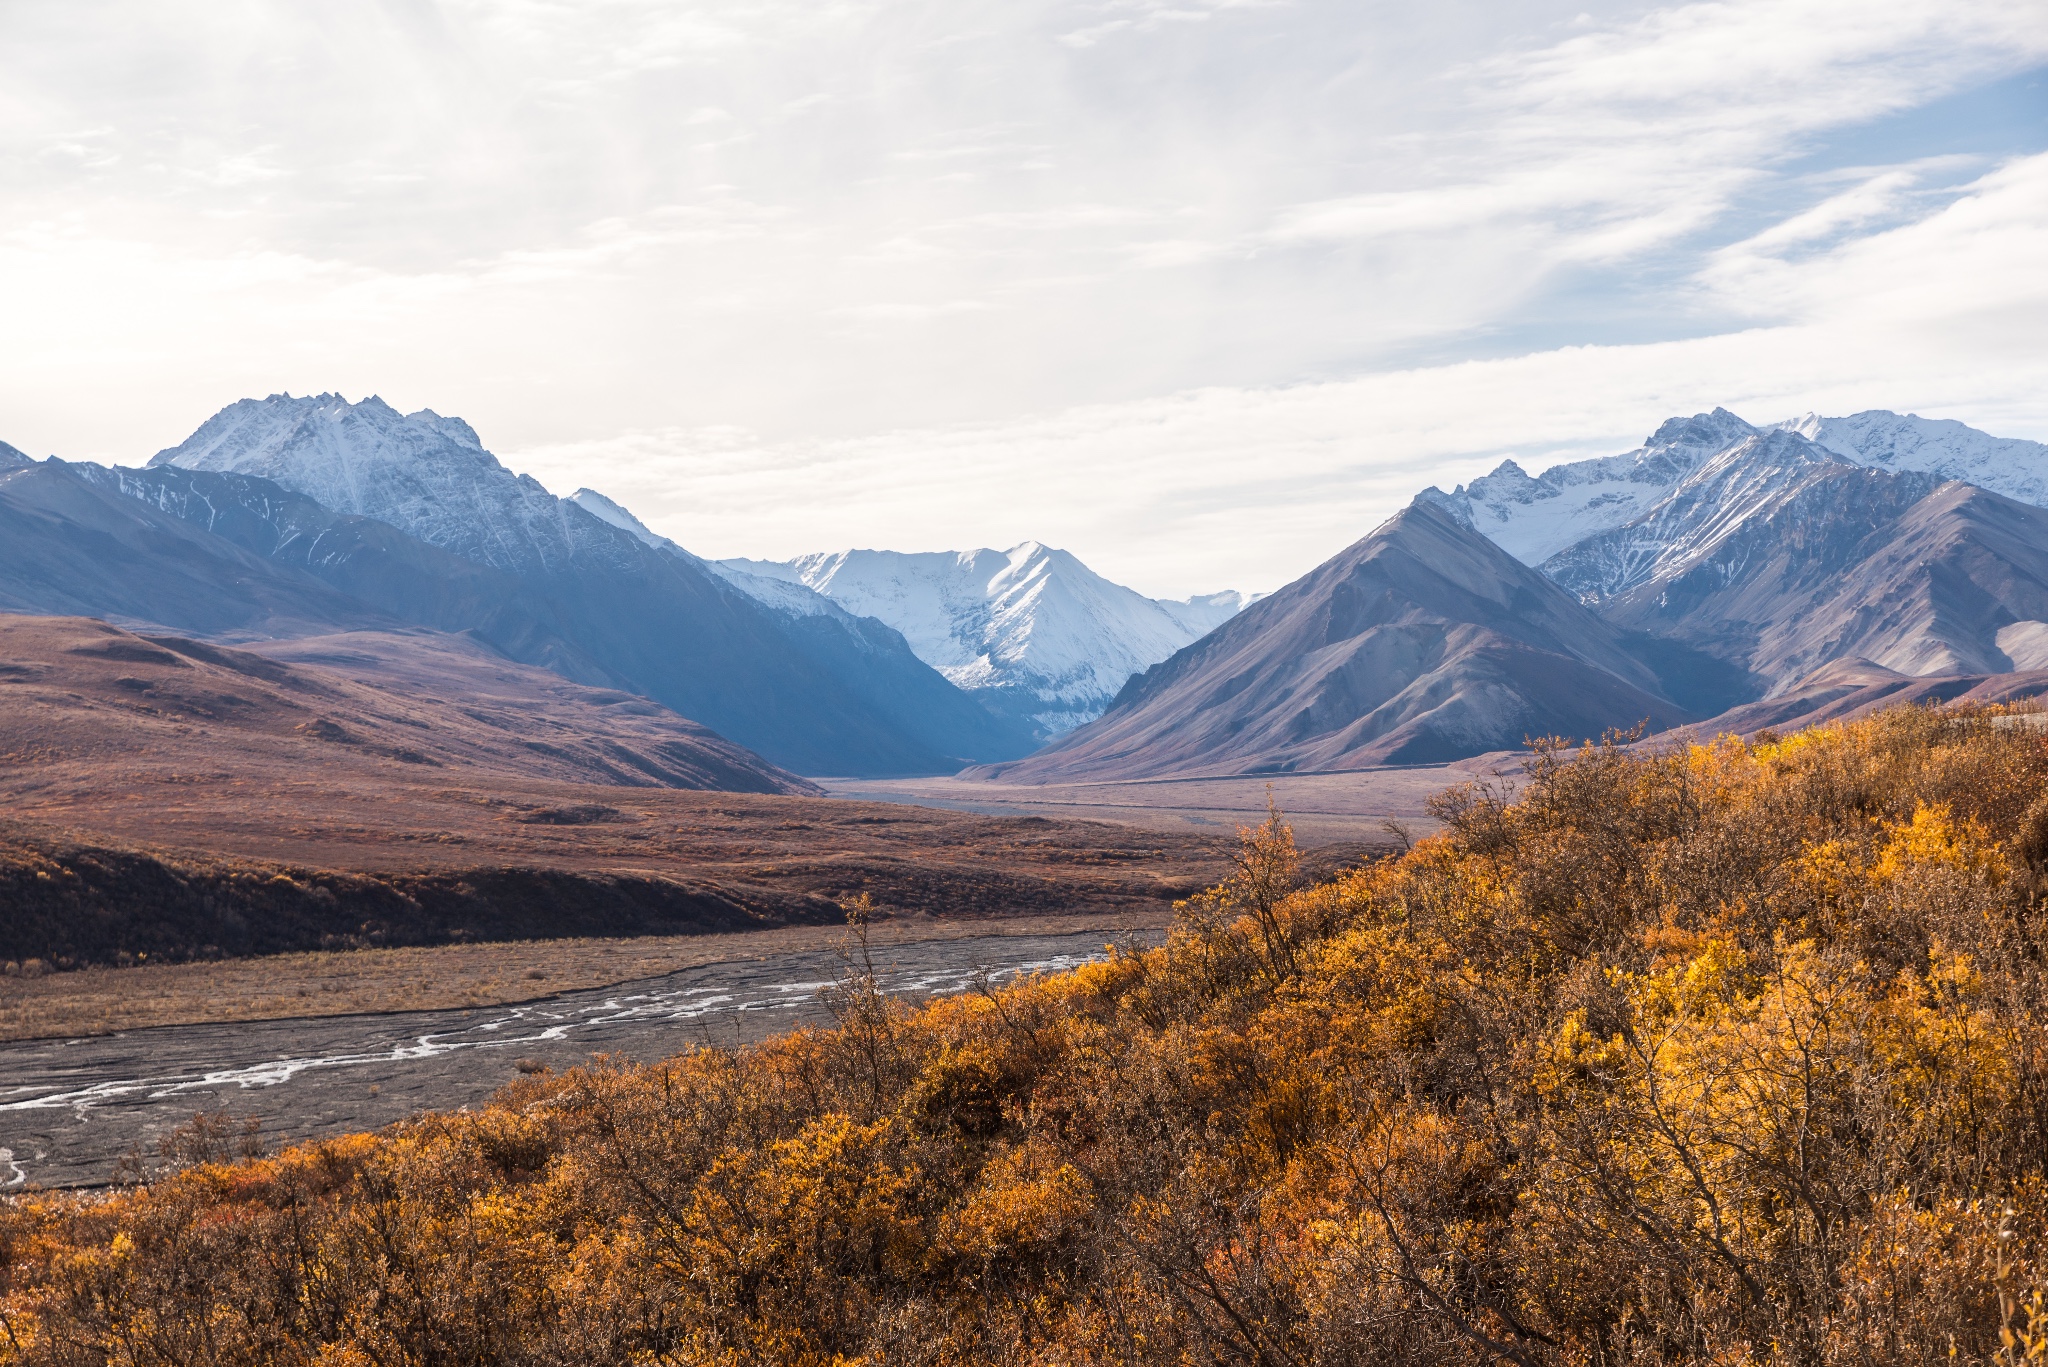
(1201, 294)
(1251, 487)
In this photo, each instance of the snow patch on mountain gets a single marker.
(1537, 519)
(1703, 511)
(1031, 630)
(1940, 446)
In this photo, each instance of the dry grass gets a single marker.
(99, 1001)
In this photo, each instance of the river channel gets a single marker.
(69, 1109)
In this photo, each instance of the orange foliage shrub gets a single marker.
(1712, 1054)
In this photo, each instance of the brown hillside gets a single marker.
(175, 799)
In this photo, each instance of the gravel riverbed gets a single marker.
(69, 1109)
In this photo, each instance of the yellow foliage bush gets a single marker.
(1720, 1053)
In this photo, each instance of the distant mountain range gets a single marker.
(296, 516)
(1723, 573)
(1032, 632)
(303, 516)
(1719, 566)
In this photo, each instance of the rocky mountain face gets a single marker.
(1533, 519)
(1719, 566)
(1780, 557)
(428, 475)
(1422, 642)
(1032, 632)
(431, 529)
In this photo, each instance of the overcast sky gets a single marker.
(1198, 289)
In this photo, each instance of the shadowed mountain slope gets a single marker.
(220, 553)
(1422, 642)
(71, 542)
(653, 617)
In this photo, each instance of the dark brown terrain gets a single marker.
(175, 800)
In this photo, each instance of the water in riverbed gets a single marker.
(70, 1108)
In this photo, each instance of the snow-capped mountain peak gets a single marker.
(1536, 518)
(424, 473)
(1533, 518)
(1706, 507)
(1031, 630)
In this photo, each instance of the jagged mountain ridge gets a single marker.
(425, 474)
(1535, 518)
(1031, 631)
(1727, 498)
(1883, 440)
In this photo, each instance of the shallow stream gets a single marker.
(69, 1109)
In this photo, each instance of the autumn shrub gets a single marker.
(1719, 1053)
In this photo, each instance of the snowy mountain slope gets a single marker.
(1205, 612)
(423, 473)
(1752, 479)
(814, 696)
(1032, 631)
(605, 510)
(12, 458)
(1533, 519)
(786, 596)
(1536, 518)
(1886, 441)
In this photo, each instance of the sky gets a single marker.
(1200, 290)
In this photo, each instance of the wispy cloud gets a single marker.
(1141, 270)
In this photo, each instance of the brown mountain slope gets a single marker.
(176, 799)
(1423, 642)
(1854, 688)
(74, 689)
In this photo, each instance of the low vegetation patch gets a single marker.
(1721, 1054)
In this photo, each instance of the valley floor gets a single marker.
(1334, 809)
